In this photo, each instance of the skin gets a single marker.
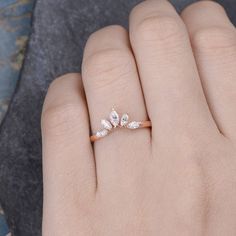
(178, 178)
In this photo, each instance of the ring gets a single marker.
(115, 122)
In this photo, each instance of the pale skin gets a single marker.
(178, 178)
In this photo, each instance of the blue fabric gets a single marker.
(3, 226)
(15, 18)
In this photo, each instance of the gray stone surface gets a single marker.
(60, 30)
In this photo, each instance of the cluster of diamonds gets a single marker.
(114, 122)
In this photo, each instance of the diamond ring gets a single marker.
(114, 122)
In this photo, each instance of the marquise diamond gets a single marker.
(114, 118)
(102, 133)
(106, 125)
(124, 120)
(134, 125)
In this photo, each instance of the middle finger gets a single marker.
(172, 89)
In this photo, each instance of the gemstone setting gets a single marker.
(115, 121)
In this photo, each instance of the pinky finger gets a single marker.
(68, 162)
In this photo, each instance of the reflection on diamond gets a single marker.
(106, 124)
(102, 133)
(133, 125)
(124, 120)
(114, 118)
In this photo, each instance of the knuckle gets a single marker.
(212, 38)
(160, 28)
(61, 119)
(108, 30)
(105, 61)
(106, 67)
(211, 4)
(63, 80)
(203, 5)
(57, 82)
(136, 10)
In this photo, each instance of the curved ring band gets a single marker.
(115, 122)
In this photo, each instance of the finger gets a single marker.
(168, 72)
(111, 80)
(68, 163)
(214, 43)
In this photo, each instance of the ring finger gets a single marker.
(110, 80)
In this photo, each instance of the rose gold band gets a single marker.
(146, 124)
(142, 124)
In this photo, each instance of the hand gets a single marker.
(178, 178)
